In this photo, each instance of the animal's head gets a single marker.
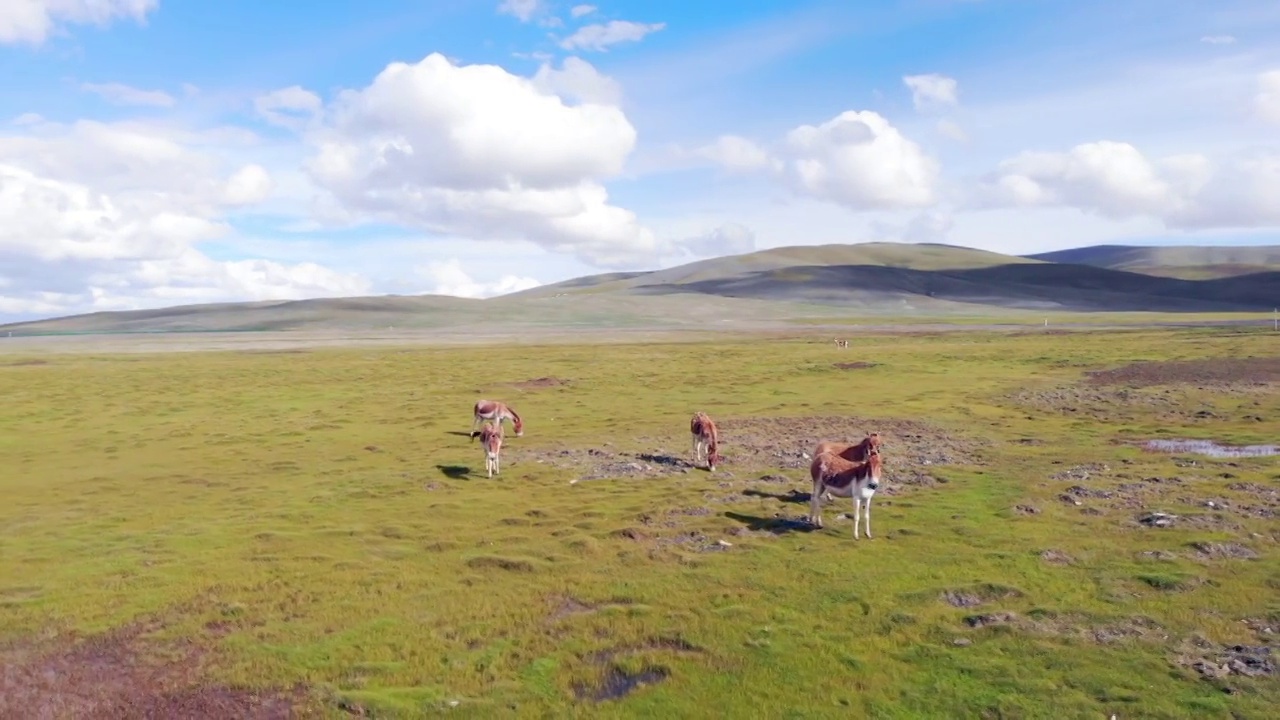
(873, 443)
(519, 426)
(874, 466)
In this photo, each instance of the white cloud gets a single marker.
(97, 216)
(859, 160)
(250, 185)
(579, 80)
(449, 278)
(524, 10)
(291, 107)
(856, 159)
(1218, 39)
(1267, 101)
(932, 91)
(126, 95)
(477, 152)
(1115, 180)
(32, 21)
(600, 36)
(579, 10)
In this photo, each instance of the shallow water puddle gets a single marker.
(1211, 448)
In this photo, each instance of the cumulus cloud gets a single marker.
(32, 21)
(600, 36)
(579, 80)
(449, 278)
(1267, 101)
(1115, 180)
(291, 107)
(477, 152)
(856, 159)
(96, 216)
(126, 95)
(579, 10)
(932, 91)
(859, 160)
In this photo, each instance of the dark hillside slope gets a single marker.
(1039, 286)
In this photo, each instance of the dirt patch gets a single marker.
(860, 365)
(25, 363)
(1000, 618)
(538, 383)
(1103, 633)
(978, 595)
(911, 450)
(1219, 662)
(1210, 448)
(1217, 373)
(616, 682)
(1223, 551)
(124, 674)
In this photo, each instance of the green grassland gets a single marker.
(320, 518)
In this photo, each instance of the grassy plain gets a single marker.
(319, 519)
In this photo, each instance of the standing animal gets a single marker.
(491, 441)
(844, 478)
(706, 440)
(856, 452)
(842, 343)
(497, 412)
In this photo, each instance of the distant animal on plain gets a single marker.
(497, 412)
(844, 478)
(491, 441)
(706, 440)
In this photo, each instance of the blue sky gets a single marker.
(155, 152)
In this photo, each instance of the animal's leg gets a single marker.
(868, 517)
(815, 506)
(497, 464)
(474, 421)
(857, 512)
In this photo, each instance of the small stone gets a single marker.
(726, 543)
(962, 642)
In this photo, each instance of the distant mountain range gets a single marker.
(801, 281)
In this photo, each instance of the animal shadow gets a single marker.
(775, 525)
(668, 460)
(790, 496)
(455, 472)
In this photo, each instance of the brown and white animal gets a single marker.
(706, 440)
(844, 478)
(497, 412)
(855, 452)
(491, 441)
(842, 343)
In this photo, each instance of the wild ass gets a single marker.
(497, 412)
(842, 343)
(844, 478)
(706, 440)
(491, 441)
(854, 452)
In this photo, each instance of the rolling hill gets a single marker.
(833, 281)
(1189, 262)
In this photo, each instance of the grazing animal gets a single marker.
(844, 478)
(491, 440)
(842, 343)
(706, 440)
(497, 412)
(855, 452)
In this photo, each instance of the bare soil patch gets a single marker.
(911, 450)
(123, 674)
(1213, 661)
(977, 595)
(1217, 372)
(25, 363)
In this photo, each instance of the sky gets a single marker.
(164, 152)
